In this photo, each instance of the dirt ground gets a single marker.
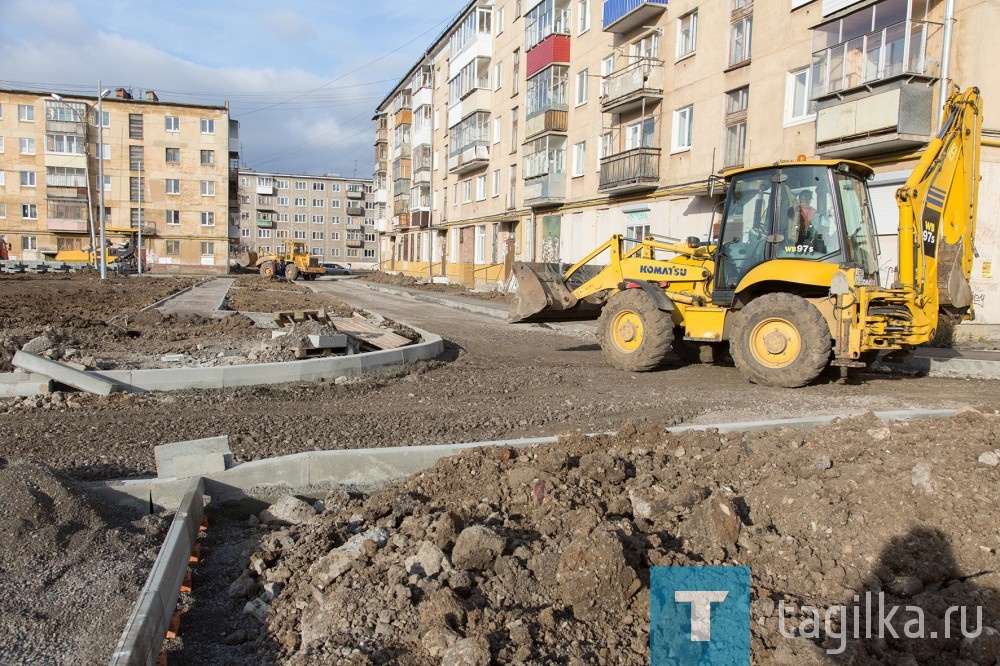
(555, 567)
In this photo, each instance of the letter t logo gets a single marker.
(701, 610)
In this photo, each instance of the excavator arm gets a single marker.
(937, 212)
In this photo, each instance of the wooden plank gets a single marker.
(366, 331)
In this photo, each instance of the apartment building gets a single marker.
(547, 126)
(165, 167)
(331, 216)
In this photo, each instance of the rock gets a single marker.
(879, 434)
(477, 547)
(713, 523)
(257, 609)
(441, 608)
(427, 562)
(991, 458)
(921, 478)
(356, 543)
(467, 652)
(593, 575)
(437, 640)
(39, 345)
(288, 510)
(332, 566)
(243, 587)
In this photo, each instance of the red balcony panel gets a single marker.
(552, 49)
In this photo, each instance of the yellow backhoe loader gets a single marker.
(291, 264)
(121, 257)
(790, 283)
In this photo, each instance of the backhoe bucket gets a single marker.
(543, 296)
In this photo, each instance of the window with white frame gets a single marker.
(299, 218)
(171, 124)
(281, 217)
(244, 182)
(480, 187)
(173, 186)
(172, 155)
(579, 158)
(3, 211)
(300, 184)
(66, 144)
(737, 103)
(498, 20)
(687, 34)
(281, 201)
(608, 65)
(299, 235)
(646, 47)
(28, 178)
(607, 144)
(640, 134)
(317, 235)
(173, 217)
(29, 211)
(281, 233)
(319, 187)
(208, 126)
(467, 190)
(334, 219)
(207, 218)
(335, 203)
(281, 184)
(318, 219)
(3, 179)
(515, 67)
(263, 233)
(798, 107)
(300, 201)
(208, 188)
(581, 87)
(335, 235)
(1, 144)
(26, 113)
(497, 124)
(480, 244)
(319, 203)
(208, 157)
(498, 75)
(244, 233)
(681, 136)
(496, 183)
(582, 16)
(27, 146)
(207, 248)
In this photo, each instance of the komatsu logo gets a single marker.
(663, 270)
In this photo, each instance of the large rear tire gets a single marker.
(267, 269)
(291, 272)
(633, 333)
(780, 340)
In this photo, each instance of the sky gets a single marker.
(302, 77)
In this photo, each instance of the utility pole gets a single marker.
(138, 247)
(100, 176)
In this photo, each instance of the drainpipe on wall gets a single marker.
(949, 20)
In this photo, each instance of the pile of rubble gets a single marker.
(543, 555)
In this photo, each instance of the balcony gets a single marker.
(264, 223)
(623, 16)
(63, 127)
(470, 158)
(478, 99)
(628, 88)
(422, 176)
(355, 242)
(381, 136)
(420, 218)
(381, 226)
(886, 116)
(355, 194)
(381, 196)
(552, 49)
(355, 210)
(553, 120)
(401, 220)
(67, 226)
(632, 170)
(267, 189)
(404, 117)
(400, 188)
(547, 190)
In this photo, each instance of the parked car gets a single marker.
(337, 269)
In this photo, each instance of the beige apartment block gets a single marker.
(332, 217)
(558, 123)
(165, 167)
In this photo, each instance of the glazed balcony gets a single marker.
(355, 210)
(355, 194)
(552, 120)
(629, 88)
(621, 16)
(632, 170)
(547, 190)
(470, 158)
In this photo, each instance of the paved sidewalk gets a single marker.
(205, 298)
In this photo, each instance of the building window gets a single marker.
(281, 201)
(263, 233)
(496, 183)
(467, 190)
(582, 16)
(335, 235)
(207, 248)
(1, 144)
(317, 235)
(135, 125)
(497, 122)
(208, 157)
(173, 156)
(480, 187)
(27, 179)
(207, 218)
(579, 158)
(208, 188)
(515, 70)
(173, 217)
(740, 32)
(299, 218)
(171, 123)
(683, 120)
(173, 247)
(334, 187)
(26, 113)
(281, 184)
(334, 219)
(27, 146)
(244, 182)
(480, 245)
(647, 47)
(737, 103)
(208, 126)
(581, 87)
(300, 185)
(3, 211)
(282, 217)
(798, 107)
(319, 187)
(64, 144)
(513, 130)
(640, 134)
(298, 235)
(136, 158)
(29, 211)
(300, 201)
(173, 186)
(498, 20)
(498, 75)
(136, 187)
(687, 34)
(319, 203)
(317, 219)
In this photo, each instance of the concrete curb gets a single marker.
(173, 379)
(318, 471)
(147, 626)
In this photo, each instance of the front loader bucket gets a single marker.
(542, 296)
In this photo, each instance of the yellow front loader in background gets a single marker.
(785, 292)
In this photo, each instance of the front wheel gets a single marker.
(267, 269)
(291, 273)
(633, 333)
(780, 340)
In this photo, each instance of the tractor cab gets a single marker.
(816, 212)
